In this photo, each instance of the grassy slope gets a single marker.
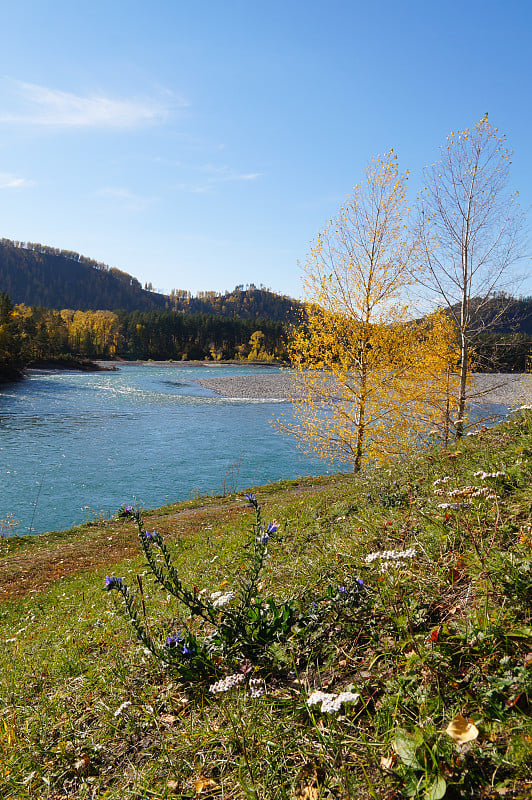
(447, 633)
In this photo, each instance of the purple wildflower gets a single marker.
(342, 590)
(188, 650)
(360, 581)
(128, 509)
(264, 537)
(173, 640)
(152, 536)
(251, 497)
(111, 582)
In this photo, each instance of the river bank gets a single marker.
(417, 611)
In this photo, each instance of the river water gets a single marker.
(75, 445)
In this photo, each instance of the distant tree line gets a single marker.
(34, 334)
(503, 340)
(244, 302)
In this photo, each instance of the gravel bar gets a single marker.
(507, 389)
(255, 387)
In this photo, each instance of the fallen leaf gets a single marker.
(387, 763)
(309, 780)
(461, 730)
(168, 719)
(172, 786)
(511, 703)
(82, 765)
(205, 786)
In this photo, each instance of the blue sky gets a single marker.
(204, 145)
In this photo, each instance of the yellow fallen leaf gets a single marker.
(461, 730)
(172, 786)
(206, 786)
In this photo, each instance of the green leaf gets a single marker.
(519, 633)
(405, 745)
(437, 789)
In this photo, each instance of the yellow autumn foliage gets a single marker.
(370, 382)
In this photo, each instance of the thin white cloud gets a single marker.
(214, 175)
(10, 181)
(194, 188)
(125, 198)
(38, 105)
(224, 173)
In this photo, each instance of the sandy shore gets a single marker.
(509, 389)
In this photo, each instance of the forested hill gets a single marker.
(242, 303)
(38, 275)
(45, 276)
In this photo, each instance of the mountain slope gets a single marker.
(38, 275)
(43, 276)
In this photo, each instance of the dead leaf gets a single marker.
(168, 719)
(173, 786)
(309, 780)
(82, 765)
(461, 730)
(206, 786)
(387, 763)
(511, 703)
(307, 793)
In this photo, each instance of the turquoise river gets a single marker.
(77, 445)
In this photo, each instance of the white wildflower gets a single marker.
(227, 684)
(331, 703)
(122, 708)
(317, 697)
(454, 506)
(256, 688)
(439, 481)
(219, 600)
(390, 555)
(483, 475)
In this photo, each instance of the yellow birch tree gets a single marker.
(357, 364)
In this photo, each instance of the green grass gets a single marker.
(447, 633)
